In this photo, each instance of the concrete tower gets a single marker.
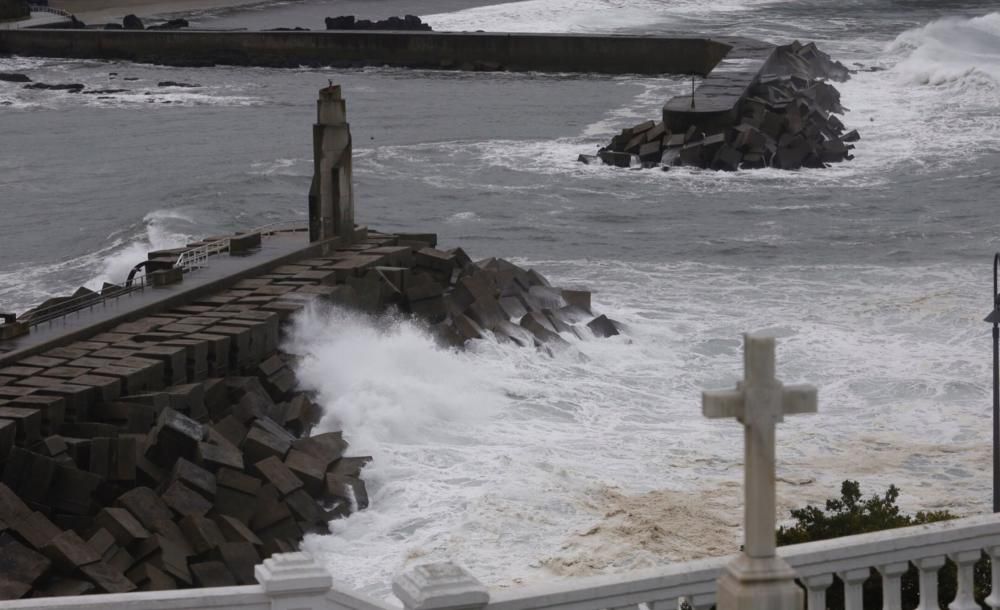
(331, 197)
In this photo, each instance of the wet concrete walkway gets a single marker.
(222, 271)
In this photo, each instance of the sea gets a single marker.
(875, 275)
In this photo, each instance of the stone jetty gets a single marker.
(786, 119)
(173, 448)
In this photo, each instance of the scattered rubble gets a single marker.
(788, 121)
(349, 22)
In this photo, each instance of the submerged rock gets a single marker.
(11, 77)
(349, 22)
(71, 87)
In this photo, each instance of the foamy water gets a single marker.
(529, 467)
(525, 467)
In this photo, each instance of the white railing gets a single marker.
(851, 558)
(293, 580)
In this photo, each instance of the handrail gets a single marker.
(39, 8)
(196, 258)
(189, 260)
(85, 301)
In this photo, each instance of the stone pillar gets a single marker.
(294, 581)
(440, 586)
(331, 196)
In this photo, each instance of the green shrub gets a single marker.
(850, 515)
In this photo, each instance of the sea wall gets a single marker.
(460, 50)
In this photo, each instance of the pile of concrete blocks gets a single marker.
(788, 121)
(182, 485)
(176, 450)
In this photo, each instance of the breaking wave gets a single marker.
(952, 52)
(163, 230)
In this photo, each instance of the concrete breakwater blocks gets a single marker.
(772, 108)
(175, 449)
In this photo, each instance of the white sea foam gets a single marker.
(952, 52)
(580, 15)
(162, 231)
(524, 467)
(24, 286)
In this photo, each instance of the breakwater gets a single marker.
(448, 50)
(175, 449)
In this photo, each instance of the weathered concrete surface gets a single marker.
(224, 271)
(460, 50)
(716, 101)
(331, 194)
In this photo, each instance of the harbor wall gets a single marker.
(449, 50)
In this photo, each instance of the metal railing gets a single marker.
(38, 8)
(189, 260)
(83, 302)
(196, 258)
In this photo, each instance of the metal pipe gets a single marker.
(996, 388)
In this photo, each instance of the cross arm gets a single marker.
(798, 399)
(722, 403)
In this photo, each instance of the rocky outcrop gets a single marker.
(131, 22)
(788, 120)
(11, 77)
(349, 22)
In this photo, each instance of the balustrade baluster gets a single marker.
(929, 568)
(994, 599)
(892, 594)
(853, 581)
(965, 599)
(816, 587)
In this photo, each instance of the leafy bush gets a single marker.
(851, 514)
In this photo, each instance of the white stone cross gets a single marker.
(759, 402)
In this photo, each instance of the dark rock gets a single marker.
(131, 22)
(11, 77)
(70, 87)
(170, 83)
(604, 327)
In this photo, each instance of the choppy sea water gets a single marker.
(873, 274)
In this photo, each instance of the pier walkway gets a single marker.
(276, 249)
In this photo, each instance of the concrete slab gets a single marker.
(222, 272)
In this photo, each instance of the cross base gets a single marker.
(759, 583)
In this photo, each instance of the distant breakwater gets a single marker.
(434, 50)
